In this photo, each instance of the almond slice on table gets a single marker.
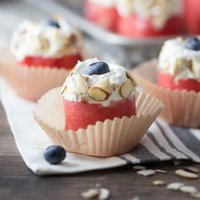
(185, 174)
(103, 194)
(174, 186)
(188, 189)
(147, 172)
(195, 195)
(158, 183)
(192, 169)
(161, 171)
(89, 194)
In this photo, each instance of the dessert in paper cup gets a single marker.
(42, 54)
(97, 112)
(175, 80)
(102, 13)
(142, 18)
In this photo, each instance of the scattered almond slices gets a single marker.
(159, 183)
(139, 167)
(103, 194)
(188, 189)
(192, 169)
(174, 186)
(126, 88)
(185, 174)
(89, 194)
(98, 94)
(146, 172)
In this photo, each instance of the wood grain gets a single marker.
(18, 182)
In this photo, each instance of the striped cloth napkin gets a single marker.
(161, 143)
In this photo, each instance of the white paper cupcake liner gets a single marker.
(30, 82)
(181, 107)
(108, 138)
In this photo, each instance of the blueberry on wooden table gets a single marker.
(97, 68)
(54, 154)
(193, 44)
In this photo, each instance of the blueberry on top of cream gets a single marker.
(97, 68)
(193, 44)
(52, 22)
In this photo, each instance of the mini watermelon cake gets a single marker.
(179, 64)
(141, 18)
(96, 91)
(46, 43)
(102, 12)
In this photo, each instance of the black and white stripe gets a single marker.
(164, 142)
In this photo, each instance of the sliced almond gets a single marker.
(130, 76)
(82, 85)
(196, 195)
(126, 89)
(104, 194)
(192, 169)
(148, 172)
(158, 183)
(161, 171)
(174, 186)
(98, 94)
(104, 84)
(185, 174)
(89, 194)
(139, 167)
(188, 189)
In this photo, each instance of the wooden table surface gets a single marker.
(18, 182)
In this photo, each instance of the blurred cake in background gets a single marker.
(141, 18)
(41, 56)
(138, 18)
(179, 64)
(102, 13)
(192, 16)
(50, 43)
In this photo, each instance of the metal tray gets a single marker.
(128, 51)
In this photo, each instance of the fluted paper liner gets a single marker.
(181, 107)
(108, 138)
(30, 82)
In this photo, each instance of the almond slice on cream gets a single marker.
(98, 94)
(126, 88)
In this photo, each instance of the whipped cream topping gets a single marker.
(41, 39)
(107, 3)
(179, 61)
(158, 10)
(98, 89)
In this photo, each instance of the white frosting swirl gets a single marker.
(159, 11)
(179, 61)
(116, 77)
(40, 39)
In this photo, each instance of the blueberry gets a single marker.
(97, 68)
(193, 44)
(51, 22)
(54, 154)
